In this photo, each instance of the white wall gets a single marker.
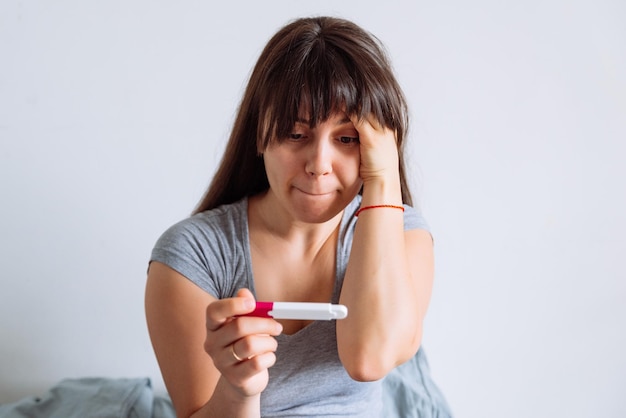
(112, 119)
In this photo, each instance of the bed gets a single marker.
(405, 395)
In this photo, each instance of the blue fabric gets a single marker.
(93, 398)
(407, 394)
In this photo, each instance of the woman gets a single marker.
(309, 204)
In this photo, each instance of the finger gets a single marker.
(366, 123)
(250, 377)
(219, 312)
(218, 341)
(244, 326)
(254, 365)
(252, 346)
(369, 129)
(245, 293)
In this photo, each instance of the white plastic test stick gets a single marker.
(299, 310)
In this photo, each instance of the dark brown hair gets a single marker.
(320, 65)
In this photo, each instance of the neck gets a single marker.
(267, 217)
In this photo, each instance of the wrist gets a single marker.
(364, 208)
(228, 400)
(382, 191)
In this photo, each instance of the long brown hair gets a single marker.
(322, 64)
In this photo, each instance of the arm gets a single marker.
(389, 276)
(192, 334)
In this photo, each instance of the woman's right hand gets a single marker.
(251, 339)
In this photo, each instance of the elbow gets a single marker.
(366, 370)
(369, 366)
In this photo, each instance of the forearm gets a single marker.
(383, 327)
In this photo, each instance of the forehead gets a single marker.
(336, 114)
(335, 119)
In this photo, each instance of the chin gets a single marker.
(317, 214)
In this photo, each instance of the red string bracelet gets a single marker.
(378, 206)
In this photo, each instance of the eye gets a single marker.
(348, 139)
(296, 136)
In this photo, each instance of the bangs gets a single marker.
(313, 80)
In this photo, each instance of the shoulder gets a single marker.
(224, 221)
(207, 247)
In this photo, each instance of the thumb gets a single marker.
(247, 294)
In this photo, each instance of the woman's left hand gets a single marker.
(379, 151)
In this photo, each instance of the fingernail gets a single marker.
(248, 304)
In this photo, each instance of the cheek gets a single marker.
(277, 166)
(351, 178)
(351, 166)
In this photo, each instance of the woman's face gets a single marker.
(314, 172)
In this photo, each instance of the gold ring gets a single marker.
(232, 348)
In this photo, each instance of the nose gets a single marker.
(319, 158)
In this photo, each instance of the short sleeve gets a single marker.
(182, 249)
(209, 249)
(413, 219)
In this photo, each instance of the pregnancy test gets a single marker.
(299, 310)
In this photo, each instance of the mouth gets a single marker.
(314, 193)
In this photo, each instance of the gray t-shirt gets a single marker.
(212, 249)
